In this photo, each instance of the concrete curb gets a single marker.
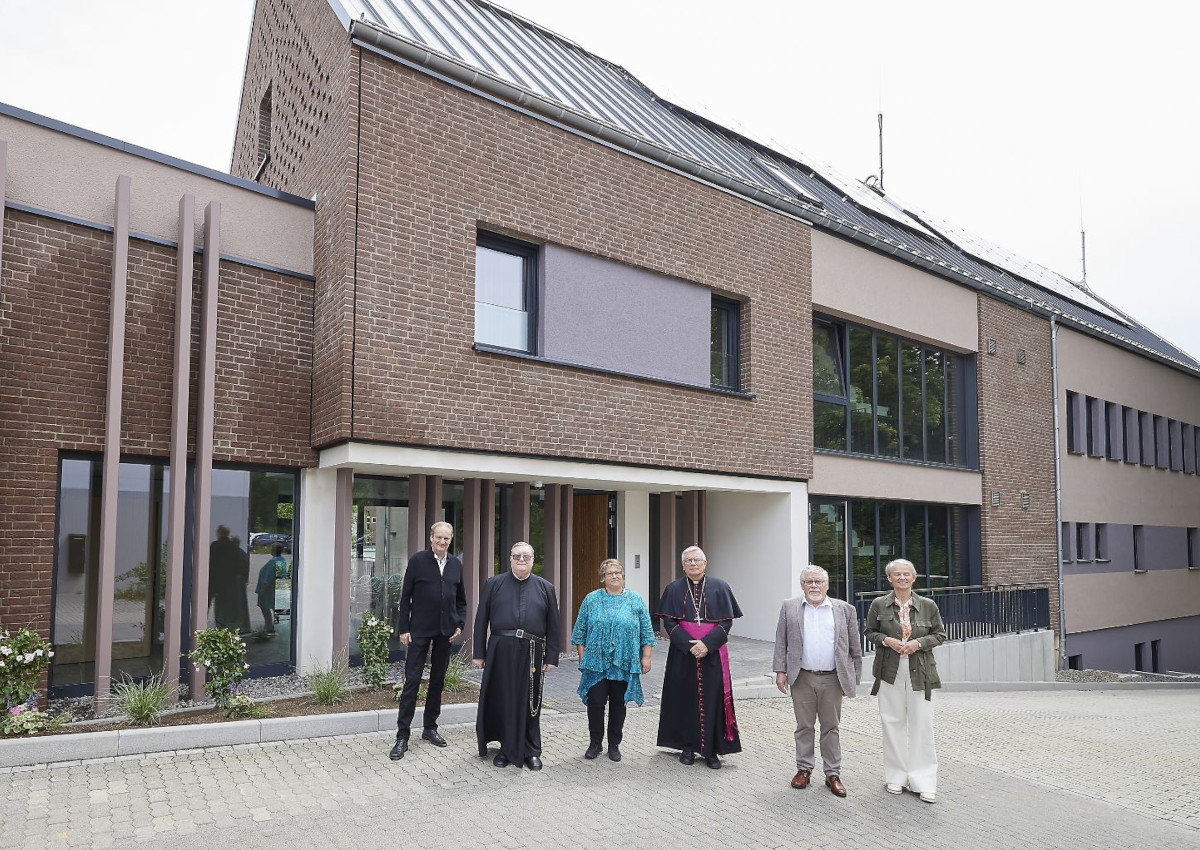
(109, 744)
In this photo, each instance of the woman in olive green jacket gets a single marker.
(905, 628)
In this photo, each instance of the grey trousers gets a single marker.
(818, 697)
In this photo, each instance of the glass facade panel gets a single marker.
(829, 425)
(828, 376)
(939, 546)
(914, 537)
(379, 554)
(723, 339)
(935, 396)
(889, 537)
(862, 373)
(862, 543)
(912, 385)
(887, 384)
(829, 544)
(501, 298)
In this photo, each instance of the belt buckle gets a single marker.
(520, 633)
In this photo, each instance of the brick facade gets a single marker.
(54, 302)
(1016, 449)
(437, 164)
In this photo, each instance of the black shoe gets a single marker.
(501, 760)
(533, 763)
(432, 736)
(713, 762)
(687, 757)
(397, 752)
(483, 751)
(614, 752)
(592, 751)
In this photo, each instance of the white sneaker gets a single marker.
(895, 789)
(927, 797)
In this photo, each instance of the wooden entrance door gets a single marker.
(589, 544)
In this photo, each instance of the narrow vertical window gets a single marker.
(1114, 425)
(1132, 437)
(264, 128)
(829, 387)
(1139, 548)
(1146, 425)
(1101, 550)
(1066, 539)
(1193, 548)
(725, 331)
(505, 293)
(1089, 412)
(1073, 423)
(1083, 541)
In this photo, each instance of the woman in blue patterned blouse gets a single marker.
(612, 638)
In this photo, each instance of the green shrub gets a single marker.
(143, 702)
(373, 634)
(20, 720)
(23, 658)
(223, 655)
(243, 706)
(457, 669)
(330, 685)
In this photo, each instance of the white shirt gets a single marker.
(441, 562)
(819, 636)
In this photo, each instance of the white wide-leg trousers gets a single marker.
(909, 758)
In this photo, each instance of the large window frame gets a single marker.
(725, 344)
(527, 253)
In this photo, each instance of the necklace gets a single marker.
(697, 594)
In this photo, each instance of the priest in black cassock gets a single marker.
(696, 716)
(516, 642)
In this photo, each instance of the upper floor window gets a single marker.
(505, 293)
(726, 318)
(881, 395)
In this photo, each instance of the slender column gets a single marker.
(471, 554)
(689, 518)
(112, 444)
(518, 521)
(177, 507)
(701, 514)
(668, 558)
(344, 504)
(487, 530)
(433, 504)
(202, 530)
(416, 514)
(566, 560)
(552, 557)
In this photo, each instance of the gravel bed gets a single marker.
(1109, 676)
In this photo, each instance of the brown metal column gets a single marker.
(469, 539)
(487, 531)
(552, 557)
(344, 504)
(701, 511)
(668, 558)
(416, 514)
(433, 501)
(689, 518)
(112, 444)
(204, 430)
(518, 520)
(177, 507)
(566, 560)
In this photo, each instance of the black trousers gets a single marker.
(414, 664)
(608, 692)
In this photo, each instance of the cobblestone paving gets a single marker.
(1024, 769)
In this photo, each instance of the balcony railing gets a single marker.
(976, 611)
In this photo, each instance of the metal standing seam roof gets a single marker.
(512, 49)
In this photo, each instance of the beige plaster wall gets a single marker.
(1106, 600)
(65, 174)
(859, 285)
(873, 479)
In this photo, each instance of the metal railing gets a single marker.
(976, 611)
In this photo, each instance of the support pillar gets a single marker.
(668, 558)
(343, 505)
(417, 492)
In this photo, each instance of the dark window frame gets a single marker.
(732, 321)
(529, 252)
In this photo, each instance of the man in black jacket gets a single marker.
(432, 611)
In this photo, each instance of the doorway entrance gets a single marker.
(593, 538)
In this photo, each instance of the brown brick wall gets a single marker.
(54, 302)
(437, 164)
(1016, 449)
(300, 50)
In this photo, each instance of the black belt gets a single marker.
(819, 672)
(519, 633)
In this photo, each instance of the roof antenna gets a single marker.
(1082, 243)
(880, 117)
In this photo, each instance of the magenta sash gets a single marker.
(697, 632)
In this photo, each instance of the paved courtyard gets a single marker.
(1063, 769)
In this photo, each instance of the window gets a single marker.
(1146, 426)
(264, 128)
(879, 395)
(1193, 548)
(1066, 538)
(726, 317)
(1074, 408)
(1132, 439)
(1175, 444)
(1090, 427)
(1101, 550)
(505, 293)
(1114, 421)
(1139, 549)
(1162, 443)
(1083, 541)
(1188, 437)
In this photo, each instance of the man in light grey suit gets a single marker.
(818, 656)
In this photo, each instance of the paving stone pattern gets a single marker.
(1064, 769)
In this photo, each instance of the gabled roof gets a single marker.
(480, 42)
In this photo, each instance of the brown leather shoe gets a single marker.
(836, 786)
(800, 780)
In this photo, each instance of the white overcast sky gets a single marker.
(1005, 118)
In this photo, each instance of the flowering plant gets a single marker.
(373, 634)
(223, 655)
(23, 658)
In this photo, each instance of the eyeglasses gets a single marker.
(522, 556)
(695, 561)
(815, 582)
(613, 575)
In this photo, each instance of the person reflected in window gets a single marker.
(613, 640)
(228, 575)
(264, 588)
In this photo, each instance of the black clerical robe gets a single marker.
(696, 712)
(510, 697)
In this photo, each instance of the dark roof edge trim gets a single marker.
(154, 156)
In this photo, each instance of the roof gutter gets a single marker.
(464, 76)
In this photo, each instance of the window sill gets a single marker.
(1140, 572)
(1194, 569)
(1103, 560)
(523, 355)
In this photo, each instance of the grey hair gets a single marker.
(813, 568)
(692, 549)
(887, 571)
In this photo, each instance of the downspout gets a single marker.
(1062, 617)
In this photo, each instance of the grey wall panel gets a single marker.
(599, 313)
(1112, 649)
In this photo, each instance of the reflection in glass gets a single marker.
(913, 398)
(862, 419)
(914, 538)
(862, 545)
(829, 543)
(889, 535)
(827, 362)
(887, 404)
(935, 394)
(939, 546)
(379, 552)
(829, 425)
